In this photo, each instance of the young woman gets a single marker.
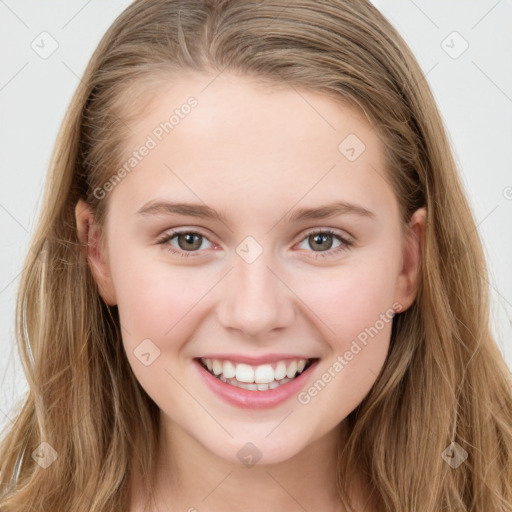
(256, 282)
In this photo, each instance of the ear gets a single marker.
(412, 248)
(89, 237)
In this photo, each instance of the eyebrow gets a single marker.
(157, 207)
(330, 210)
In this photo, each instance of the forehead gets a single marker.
(229, 137)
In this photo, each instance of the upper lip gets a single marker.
(255, 361)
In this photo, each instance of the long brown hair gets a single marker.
(444, 380)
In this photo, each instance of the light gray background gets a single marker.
(473, 91)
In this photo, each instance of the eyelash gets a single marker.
(345, 244)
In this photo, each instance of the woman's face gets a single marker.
(290, 258)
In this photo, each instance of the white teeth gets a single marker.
(262, 377)
(252, 386)
(280, 371)
(264, 374)
(244, 373)
(228, 370)
(217, 367)
(292, 370)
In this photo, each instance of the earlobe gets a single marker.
(89, 238)
(409, 277)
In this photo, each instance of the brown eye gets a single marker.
(189, 241)
(320, 241)
(184, 243)
(324, 243)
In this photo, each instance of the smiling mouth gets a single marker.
(262, 377)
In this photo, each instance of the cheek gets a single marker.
(355, 309)
(158, 308)
(350, 298)
(155, 300)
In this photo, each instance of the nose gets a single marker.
(255, 300)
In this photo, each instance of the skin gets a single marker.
(256, 154)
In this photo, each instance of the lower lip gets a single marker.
(248, 399)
